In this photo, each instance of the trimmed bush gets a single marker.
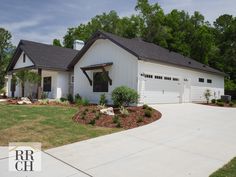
(207, 95)
(124, 96)
(70, 98)
(140, 119)
(118, 125)
(213, 101)
(82, 102)
(145, 106)
(103, 100)
(97, 115)
(63, 99)
(77, 97)
(219, 100)
(220, 103)
(115, 119)
(92, 122)
(231, 104)
(148, 113)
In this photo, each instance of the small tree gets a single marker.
(124, 96)
(103, 100)
(207, 95)
(26, 76)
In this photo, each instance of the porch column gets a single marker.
(39, 90)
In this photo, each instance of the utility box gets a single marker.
(226, 98)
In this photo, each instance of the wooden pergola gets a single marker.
(101, 66)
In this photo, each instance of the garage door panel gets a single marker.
(160, 91)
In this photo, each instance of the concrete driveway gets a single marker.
(189, 140)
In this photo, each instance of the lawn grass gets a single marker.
(51, 125)
(229, 170)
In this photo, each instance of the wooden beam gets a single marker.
(90, 81)
(107, 76)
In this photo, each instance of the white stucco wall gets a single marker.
(196, 88)
(59, 87)
(122, 72)
(62, 84)
(21, 64)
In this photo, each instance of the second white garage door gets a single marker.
(160, 89)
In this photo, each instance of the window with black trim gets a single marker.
(167, 78)
(47, 84)
(100, 82)
(209, 81)
(158, 77)
(201, 80)
(24, 58)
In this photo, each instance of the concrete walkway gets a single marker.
(189, 140)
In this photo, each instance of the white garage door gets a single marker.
(160, 89)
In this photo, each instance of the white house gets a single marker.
(108, 61)
(50, 62)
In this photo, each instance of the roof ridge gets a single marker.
(50, 45)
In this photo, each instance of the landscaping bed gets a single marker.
(221, 103)
(136, 116)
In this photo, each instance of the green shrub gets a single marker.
(115, 119)
(70, 98)
(65, 103)
(140, 119)
(97, 115)
(220, 103)
(93, 111)
(148, 113)
(77, 97)
(219, 100)
(213, 101)
(145, 106)
(207, 95)
(124, 96)
(231, 104)
(63, 99)
(118, 125)
(44, 102)
(82, 102)
(103, 100)
(92, 122)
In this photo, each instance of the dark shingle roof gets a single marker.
(44, 55)
(147, 51)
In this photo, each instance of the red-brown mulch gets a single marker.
(135, 118)
(225, 105)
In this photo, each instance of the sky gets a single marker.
(44, 20)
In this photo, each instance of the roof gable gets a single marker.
(20, 63)
(146, 51)
(44, 56)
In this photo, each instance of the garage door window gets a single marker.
(209, 81)
(148, 76)
(158, 77)
(175, 79)
(167, 78)
(201, 79)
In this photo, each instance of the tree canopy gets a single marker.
(190, 35)
(6, 49)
